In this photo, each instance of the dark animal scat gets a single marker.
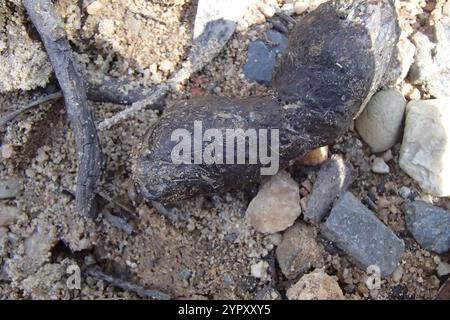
(336, 60)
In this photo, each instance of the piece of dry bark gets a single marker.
(96, 273)
(71, 81)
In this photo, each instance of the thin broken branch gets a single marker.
(49, 26)
(11, 116)
(96, 273)
(214, 25)
(119, 92)
(158, 94)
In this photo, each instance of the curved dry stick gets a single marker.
(11, 116)
(96, 273)
(49, 26)
(336, 60)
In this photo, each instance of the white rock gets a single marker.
(404, 192)
(94, 8)
(379, 166)
(425, 152)
(316, 285)
(300, 7)
(259, 270)
(443, 269)
(381, 121)
(288, 8)
(276, 206)
(166, 66)
(267, 10)
(8, 215)
(397, 275)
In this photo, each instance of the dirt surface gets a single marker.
(202, 249)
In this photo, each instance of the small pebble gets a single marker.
(288, 8)
(7, 151)
(9, 188)
(259, 270)
(8, 215)
(443, 269)
(387, 156)
(276, 206)
(398, 274)
(316, 285)
(166, 66)
(429, 225)
(315, 157)
(267, 10)
(94, 8)
(300, 7)
(379, 166)
(404, 192)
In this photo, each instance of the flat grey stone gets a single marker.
(9, 188)
(429, 225)
(262, 57)
(334, 178)
(366, 240)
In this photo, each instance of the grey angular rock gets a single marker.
(268, 293)
(299, 250)
(334, 178)
(262, 58)
(8, 215)
(380, 123)
(260, 63)
(278, 42)
(429, 225)
(366, 240)
(402, 60)
(9, 188)
(431, 66)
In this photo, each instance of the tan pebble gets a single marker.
(446, 9)
(166, 66)
(303, 192)
(316, 285)
(300, 7)
(288, 8)
(315, 157)
(387, 156)
(280, 195)
(94, 8)
(397, 274)
(8, 215)
(383, 203)
(267, 10)
(307, 185)
(414, 94)
(7, 151)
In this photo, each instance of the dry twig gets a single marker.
(96, 273)
(49, 26)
